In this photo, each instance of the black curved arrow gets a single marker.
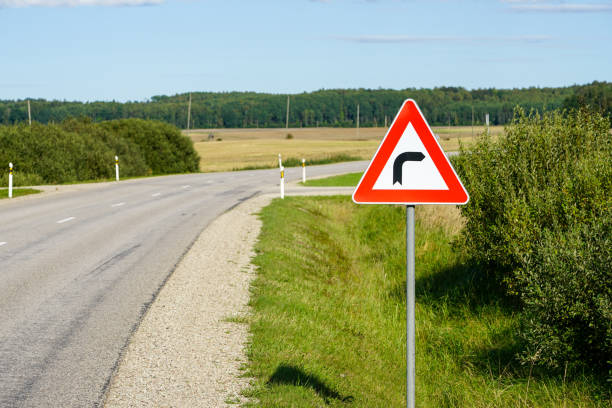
(399, 162)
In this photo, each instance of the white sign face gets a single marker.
(416, 175)
(410, 166)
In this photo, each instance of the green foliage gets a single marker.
(343, 180)
(328, 319)
(540, 218)
(79, 150)
(295, 162)
(330, 107)
(164, 148)
(336, 158)
(596, 96)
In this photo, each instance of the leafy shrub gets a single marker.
(540, 218)
(131, 160)
(78, 150)
(164, 148)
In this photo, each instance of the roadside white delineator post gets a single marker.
(282, 182)
(303, 170)
(10, 186)
(280, 162)
(116, 168)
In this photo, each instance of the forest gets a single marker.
(334, 107)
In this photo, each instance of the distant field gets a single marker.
(231, 149)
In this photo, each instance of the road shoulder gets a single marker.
(190, 345)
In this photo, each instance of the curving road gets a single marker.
(78, 270)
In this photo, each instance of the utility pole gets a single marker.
(29, 114)
(287, 120)
(472, 120)
(189, 113)
(357, 120)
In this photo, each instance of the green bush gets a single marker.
(163, 146)
(131, 160)
(79, 150)
(539, 219)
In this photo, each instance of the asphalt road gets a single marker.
(78, 270)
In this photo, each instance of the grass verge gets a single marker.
(17, 192)
(328, 324)
(295, 162)
(343, 180)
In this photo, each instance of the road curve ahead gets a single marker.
(78, 270)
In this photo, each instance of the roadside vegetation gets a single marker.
(17, 192)
(343, 180)
(79, 150)
(539, 222)
(328, 325)
(295, 162)
(514, 290)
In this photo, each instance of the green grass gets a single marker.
(18, 192)
(343, 180)
(295, 162)
(328, 323)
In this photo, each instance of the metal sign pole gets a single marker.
(410, 294)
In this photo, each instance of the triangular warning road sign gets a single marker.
(409, 166)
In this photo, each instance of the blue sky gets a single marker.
(133, 49)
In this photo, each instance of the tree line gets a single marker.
(333, 107)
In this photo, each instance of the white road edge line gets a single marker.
(155, 195)
(118, 204)
(66, 220)
(2, 243)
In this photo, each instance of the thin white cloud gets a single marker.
(564, 8)
(551, 6)
(431, 39)
(75, 3)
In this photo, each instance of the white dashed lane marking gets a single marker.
(2, 243)
(155, 195)
(186, 186)
(117, 205)
(66, 220)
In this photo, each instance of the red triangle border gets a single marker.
(365, 194)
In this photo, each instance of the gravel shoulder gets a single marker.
(190, 345)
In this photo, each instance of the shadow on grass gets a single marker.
(464, 287)
(460, 284)
(290, 375)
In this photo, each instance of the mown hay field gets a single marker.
(233, 149)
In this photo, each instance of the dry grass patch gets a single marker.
(231, 149)
(237, 154)
(446, 217)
